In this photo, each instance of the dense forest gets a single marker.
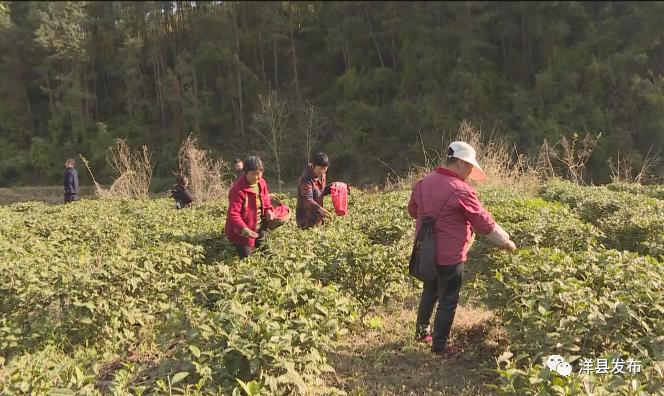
(370, 83)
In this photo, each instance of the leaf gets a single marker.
(195, 351)
(179, 377)
(61, 392)
(505, 356)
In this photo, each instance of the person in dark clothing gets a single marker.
(71, 181)
(238, 167)
(311, 190)
(181, 194)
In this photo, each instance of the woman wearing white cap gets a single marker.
(444, 195)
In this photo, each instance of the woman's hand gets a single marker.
(325, 213)
(249, 233)
(510, 246)
(269, 215)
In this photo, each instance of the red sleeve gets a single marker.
(480, 219)
(412, 204)
(235, 200)
(267, 201)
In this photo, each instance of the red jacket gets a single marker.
(242, 210)
(458, 211)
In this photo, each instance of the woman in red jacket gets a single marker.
(248, 208)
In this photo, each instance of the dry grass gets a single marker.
(622, 169)
(381, 357)
(566, 158)
(134, 172)
(206, 175)
(499, 160)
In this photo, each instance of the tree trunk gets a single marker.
(194, 79)
(394, 59)
(147, 94)
(276, 63)
(373, 37)
(161, 66)
(292, 39)
(524, 39)
(105, 81)
(469, 31)
(178, 112)
(83, 102)
(94, 90)
(51, 101)
(87, 99)
(260, 44)
(238, 71)
(205, 90)
(222, 98)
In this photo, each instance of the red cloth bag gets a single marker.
(281, 212)
(339, 192)
(281, 215)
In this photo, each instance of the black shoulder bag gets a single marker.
(422, 263)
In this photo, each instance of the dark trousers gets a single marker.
(244, 251)
(71, 198)
(446, 290)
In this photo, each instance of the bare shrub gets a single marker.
(206, 175)
(499, 161)
(311, 124)
(622, 171)
(544, 164)
(134, 173)
(567, 158)
(270, 124)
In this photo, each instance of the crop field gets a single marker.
(134, 297)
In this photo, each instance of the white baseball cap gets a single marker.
(466, 152)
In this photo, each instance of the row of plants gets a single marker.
(651, 190)
(629, 221)
(563, 293)
(135, 297)
(130, 296)
(595, 305)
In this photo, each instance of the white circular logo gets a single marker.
(553, 361)
(564, 369)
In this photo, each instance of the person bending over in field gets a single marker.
(444, 195)
(181, 194)
(309, 211)
(249, 208)
(71, 181)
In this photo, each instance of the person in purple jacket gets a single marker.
(444, 195)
